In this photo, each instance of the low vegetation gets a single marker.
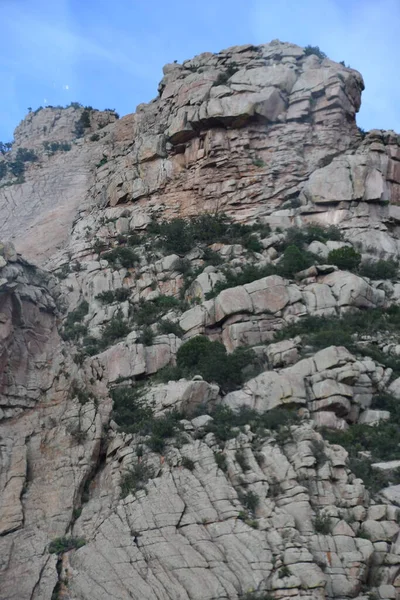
(308, 50)
(64, 544)
(136, 478)
(53, 147)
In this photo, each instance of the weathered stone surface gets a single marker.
(194, 509)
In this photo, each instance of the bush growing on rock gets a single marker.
(180, 236)
(346, 258)
(110, 296)
(72, 326)
(381, 269)
(147, 336)
(167, 326)
(323, 524)
(64, 544)
(226, 423)
(124, 257)
(308, 50)
(148, 312)
(136, 479)
(295, 260)
(303, 236)
(248, 274)
(210, 360)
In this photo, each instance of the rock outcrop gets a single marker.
(258, 461)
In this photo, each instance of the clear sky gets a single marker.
(109, 54)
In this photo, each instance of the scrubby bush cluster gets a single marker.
(136, 478)
(16, 167)
(53, 147)
(181, 235)
(134, 415)
(200, 356)
(64, 544)
(308, 50)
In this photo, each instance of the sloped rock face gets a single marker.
(125, 471)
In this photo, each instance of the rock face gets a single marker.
(262, 466)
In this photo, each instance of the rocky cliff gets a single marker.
(199, 341)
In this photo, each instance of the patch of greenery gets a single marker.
(247, 274)
(122, 257)
(221, 461)
(188, 463)
(136, 479)
(323, 524)
(250, 500)
(146, 336)
(346, 258)
(180, 236)
(148, 312)
(117, 295)
(227, 424)
(83, 122)
(3, 169)
(200, 356)
(301, 237)
(64, 544)
(295, 260)
(380, 269)
(134, 415)
(308, 50)
(166, 326)
(73, 329)
(53, 147)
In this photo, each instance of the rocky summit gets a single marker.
(200, 341)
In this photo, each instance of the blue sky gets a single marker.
(110, 54)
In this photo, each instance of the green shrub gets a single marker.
(248, 274)
(308, 50)
(163, 428)
(124, 257)
(64, 544)
(295, 260)
(147, 336)
(258, 162)
(180, 236)
(323, 524)
(83, 122)
(72, 325)
(94, 137)
(5, 147)
(136, 479)
(210, 360)
(241, 460)
(220, 459)
(53, 147)
(129, 409)
(301, 237)
(166, 327)
(284, 571)
(188, 463)
(149, 311)
(115, 329)
(3, 169)
(381, 269)
(110, 296)
(226, 423)
(346, 258)
(250, 500)
(26, 155)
